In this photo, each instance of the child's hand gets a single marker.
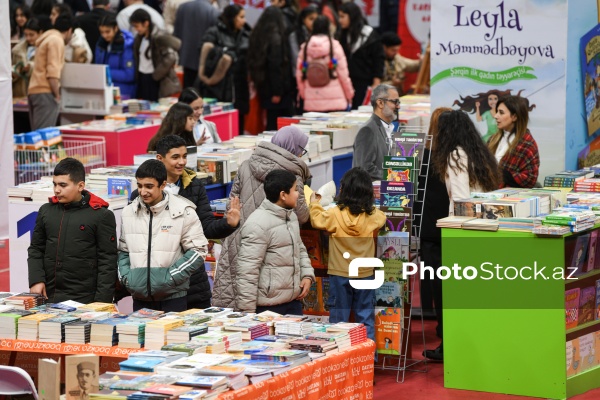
(304, 285)
(233, 215)
(315, 197)
(39, 288)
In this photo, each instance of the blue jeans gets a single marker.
(343, 298)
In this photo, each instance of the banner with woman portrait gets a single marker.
(481, 51)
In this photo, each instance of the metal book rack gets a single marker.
(403, 361)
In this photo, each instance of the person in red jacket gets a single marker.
(73, 250)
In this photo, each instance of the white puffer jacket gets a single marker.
(272, 260)
(158, 266)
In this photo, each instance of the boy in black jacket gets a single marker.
(171, 150)
(73, 250)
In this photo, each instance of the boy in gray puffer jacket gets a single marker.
(274, 270)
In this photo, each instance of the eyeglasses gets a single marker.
(395, 101)
(304, 151)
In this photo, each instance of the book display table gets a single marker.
(509, 335)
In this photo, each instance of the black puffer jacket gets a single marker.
(74, 250)
(198, 295)
(234, 44)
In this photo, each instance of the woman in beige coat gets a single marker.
(284, 152)
(22, 58)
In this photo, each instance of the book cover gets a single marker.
(400, 169)
(311, 302)
(325, 293)
(398, 219)
(571, 307)
(597, 313)
(81, 376)
(579, 255)
(591, 252)
(396, 194)
(590, 70)
(573, 359)
(497, 210)
(202, 381)
(170, 390)
(587, 305)
(469, 207)
(409, 144)
(388, 332)
(119, 186)
(587, 351)
(48, 379)
(312, 241)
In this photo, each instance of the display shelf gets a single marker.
(573, 282)
(513, 329)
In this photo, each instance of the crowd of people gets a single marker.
(323, 57)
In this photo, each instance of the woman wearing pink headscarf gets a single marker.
(283, 152)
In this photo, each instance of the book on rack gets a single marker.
(572, 307)
(393, 249)
(396, 194)
(216, 167)
(398, 219)
(400, 169)
(48, 379)
(388, 330)
(409, 143)
(576, 249)
(82, 373)
(587, 305)
(312, 241)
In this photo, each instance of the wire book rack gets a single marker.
(404, 362)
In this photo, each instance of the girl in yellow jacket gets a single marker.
(352, 224)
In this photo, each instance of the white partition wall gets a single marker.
(6, 117)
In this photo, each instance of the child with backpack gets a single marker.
(351, 224)
(322, 71)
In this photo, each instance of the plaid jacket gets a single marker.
(521, 167)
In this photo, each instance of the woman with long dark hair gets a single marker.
(229, 80)
(363, 49)
(513, 145)
(270, 67)
(338, 93)
(179, 121)
(155, 53)
(20, 16)
(302, 30)
(205, 131)
(115, 49)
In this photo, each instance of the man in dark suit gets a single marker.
(89, 22)
(191, 21)
(374, 139)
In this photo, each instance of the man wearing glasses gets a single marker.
(374, 139)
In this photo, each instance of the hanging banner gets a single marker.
(483, 50)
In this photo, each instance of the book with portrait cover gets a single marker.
(82, 373)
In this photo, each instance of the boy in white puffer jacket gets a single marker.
(274, 271)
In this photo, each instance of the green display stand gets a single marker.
(509, 336)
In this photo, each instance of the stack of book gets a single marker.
(250, 329)
(53, 329)
(341, 339)
(454, 221)
(156, 332)
(481, 224)
(567, 178)
(147, 361)
(131, 333)
(516, 224)
(250, 347)
(315, 346)
(294, 357)
(577, 220)
(78, 332)
(185, 333)
(104, 332)
(357, 332)
(292, 328)
(25, 301)
(9, 323)
(187, 348)
(65, 306)
(588, 185)
(93, 315)
(219, 342)
(28, 326)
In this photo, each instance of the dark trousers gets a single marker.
(294, 307)
(199, 304)
(272, 116)
(43, 110)
(431, 254)
(147, 87)
(360, 90)
(189, 77)
(177, 305)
